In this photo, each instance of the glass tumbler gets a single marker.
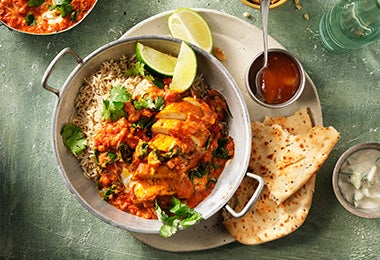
(350, 25)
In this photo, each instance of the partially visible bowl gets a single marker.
(341, 191)
(41, 19)
(256, 3)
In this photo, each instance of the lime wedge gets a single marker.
(188, 25)
(185, 70)
(155, 60)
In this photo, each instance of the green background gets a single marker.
(41, 219)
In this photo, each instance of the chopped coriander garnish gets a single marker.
(113, 108)
(202, 170)
(64, 6)
(180, 215)
(34, 3)
(157, 104)
(144, 123)
(30, 19)
(108, 192)
(221, 151)
(74, 16)
(73, 138)
(137, 70)
(126, 153)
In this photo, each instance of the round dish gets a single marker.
(361, 212)
(239, 46)
(276, 3)
(45, 18)
(214, 74)
(257, 64)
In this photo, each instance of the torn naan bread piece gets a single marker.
(266, 220)
(287, 161)
(298, 123)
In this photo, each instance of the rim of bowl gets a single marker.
(257, 6)
(360, 212)
(296, 95)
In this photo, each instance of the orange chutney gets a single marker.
(43, 18)
(280, 80)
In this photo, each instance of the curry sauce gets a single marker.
(42, 17)
(150, 156)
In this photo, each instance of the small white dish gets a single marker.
(361, 212)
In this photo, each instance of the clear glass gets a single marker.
(350, 25)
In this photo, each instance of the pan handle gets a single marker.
(52, 66)
(252, 200)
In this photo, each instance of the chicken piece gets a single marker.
(163, 142)
(178, 128)
(189, 109)
(148, 190)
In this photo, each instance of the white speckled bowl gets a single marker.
(364, 213)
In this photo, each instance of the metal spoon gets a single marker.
(264, 9)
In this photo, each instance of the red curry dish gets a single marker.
(160, 144)
(43, 17)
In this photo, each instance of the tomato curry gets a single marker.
(43, 17)
(176, 146)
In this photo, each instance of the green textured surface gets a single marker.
(41, 219)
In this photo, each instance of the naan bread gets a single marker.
(298, 123)
(266, 220)
(287, 161)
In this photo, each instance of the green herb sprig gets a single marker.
(157, 104)
(35, 3)
(113, 109)
(73, 138)
(181, 216)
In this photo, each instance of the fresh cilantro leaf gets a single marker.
(169, 230)
(113, 109)
(34, 3)
(143, 103)
(192, 219)
(181, 216)
(62, 2)
(64, 6)
(73, 138)
(108, 192)
(120, 94)
(210, 181)
(74, 16)
(202, 170)
(142, 149)
(137, 70)
(126, 153)
(30, 19)
(65, 9)
(221, 151)
(144, 123)
(157, 105)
